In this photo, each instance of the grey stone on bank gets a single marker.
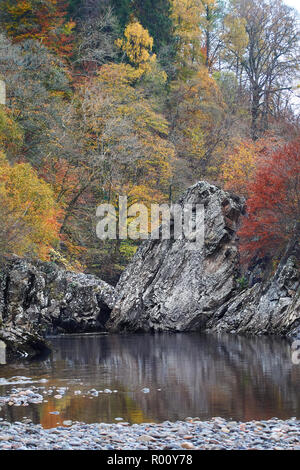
(271, 307)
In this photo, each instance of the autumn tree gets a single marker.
(241, 161)
(137, 45)
(262, 37)
(274, 203)
(127, 135)
(38, 86)
(196, 114)
(236, 40)
(197, 32)
(186, 16)
(41, 20)
(29, 215)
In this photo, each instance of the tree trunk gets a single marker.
(255, 112)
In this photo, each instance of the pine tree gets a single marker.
(123, 10)
(155, 16)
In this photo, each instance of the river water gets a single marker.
(155, 378)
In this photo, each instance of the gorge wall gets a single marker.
(166, 287)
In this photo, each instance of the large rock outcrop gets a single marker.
(167, 286)
(39, 298)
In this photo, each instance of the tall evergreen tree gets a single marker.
(154, 15)
(122, 10)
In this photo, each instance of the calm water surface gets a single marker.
(198, 375)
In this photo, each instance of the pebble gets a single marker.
(187, 445)
(145, 438)
(67, 423)
(189, 434)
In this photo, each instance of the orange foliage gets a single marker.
(274, 202)
(41, 20)
(240, 163)
(63, 177)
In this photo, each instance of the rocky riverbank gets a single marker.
(191, 434)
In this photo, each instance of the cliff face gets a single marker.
(272, 307)
(167, 286)
(39, 298)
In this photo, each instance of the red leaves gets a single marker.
(45, 21)
(274, 202)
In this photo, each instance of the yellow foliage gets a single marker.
(187, 17)
(118, 75)
(11, 136)
(28, 212)
(69, 27)
(235, 35)
(199, 108)
(135, 146)
(70, 265)
(137, 45)
(239, 166)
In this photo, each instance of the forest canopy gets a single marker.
(143, 98)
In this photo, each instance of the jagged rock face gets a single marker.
(40, 298)
(272, 307)
(167, 286)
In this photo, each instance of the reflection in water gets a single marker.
(188, 375)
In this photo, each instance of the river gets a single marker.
(152, 378)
